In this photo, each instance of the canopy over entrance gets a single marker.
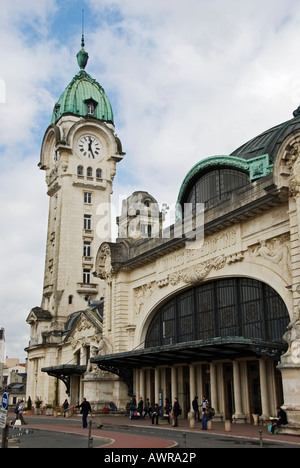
(64, 373)
(230, 348)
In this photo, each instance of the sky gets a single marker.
(187, 79)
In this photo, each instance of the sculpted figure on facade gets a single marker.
(275, 251)
(104, 267)
(292, 336)
(293, 163)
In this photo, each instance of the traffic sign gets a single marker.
(4, 401)
(3, 418)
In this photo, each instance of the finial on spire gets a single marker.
(82, 21)
(82, 56)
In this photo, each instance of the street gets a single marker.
(44, 432)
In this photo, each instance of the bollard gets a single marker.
(191, 417)
(5, 432)
(209, 425)
(255, 419)
(260, 439)
(227, 425)
(90, 438)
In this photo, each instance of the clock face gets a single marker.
(89, 147)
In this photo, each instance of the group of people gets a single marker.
(207, 412)
(140, 410)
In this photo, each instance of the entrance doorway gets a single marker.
(254, 387)
(229, 391)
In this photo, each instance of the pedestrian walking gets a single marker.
(20, 413)
(140, 407)
(132, 407)
(65, 407)
(85, 410)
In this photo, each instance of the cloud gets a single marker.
(193, 79)
(23, 211)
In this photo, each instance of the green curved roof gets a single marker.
(269, 141)
(74, 99)
(213, 161)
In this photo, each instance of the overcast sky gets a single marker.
(187, 79)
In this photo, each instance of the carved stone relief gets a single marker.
(275, 250)
(292, 158)
(104, 267)
(292, 336)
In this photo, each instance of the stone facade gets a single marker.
(253, 234)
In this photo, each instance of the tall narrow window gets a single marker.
(80, 170)
(87, 222)
(98, 174)
(87, 276)
(87, 198)
(87, 249)
(89, 172)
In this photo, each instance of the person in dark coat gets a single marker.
(140, 407)
(176, 412)
(281, 419)
(195, 405)
(85, 410)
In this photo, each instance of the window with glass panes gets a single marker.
(228, 307)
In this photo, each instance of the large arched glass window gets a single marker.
(223, 308)
(216, 185)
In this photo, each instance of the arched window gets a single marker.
(229, 307)
(89, 172)
(215, 185)
(80, 170)
(98, 174)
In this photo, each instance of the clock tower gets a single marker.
(79, 155)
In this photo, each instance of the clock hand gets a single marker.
(90, 147)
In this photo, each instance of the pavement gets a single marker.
(108, 436)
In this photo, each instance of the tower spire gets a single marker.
(82, 56)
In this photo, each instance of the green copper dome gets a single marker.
(84, 96)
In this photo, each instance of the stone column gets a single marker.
(173, 383)
(213, 388)
(238, 414)
(264, 389)
(142, 384)
(191, 414)
(156, 385)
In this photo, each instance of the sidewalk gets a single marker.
(111, 439)
(114, 439)
(218, 428)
